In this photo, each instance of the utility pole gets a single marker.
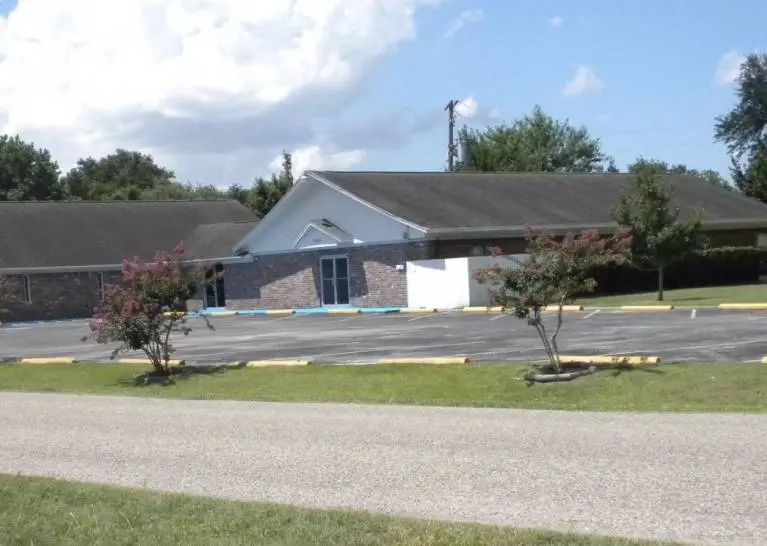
(452, 150)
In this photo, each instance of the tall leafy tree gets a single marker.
(123, 175)
(27, 173)
(659, 236)
(265, 194)
(709, 175)
(535, 143)
(744, 129)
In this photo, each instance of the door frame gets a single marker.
(335, 257)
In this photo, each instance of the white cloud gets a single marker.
(466, 18)
(467, 108)
(556, 22)
(585, 80)
(314, 157)
(212, 87)
(728, 68)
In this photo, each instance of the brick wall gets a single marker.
(53, 296)
(293, 280)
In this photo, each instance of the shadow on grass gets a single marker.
(619, 369)
(177, 373)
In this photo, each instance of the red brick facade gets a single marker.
(52, 295)
(276, 281)
(280, 281)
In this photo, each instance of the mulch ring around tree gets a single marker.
(567, 372)
(175, 374)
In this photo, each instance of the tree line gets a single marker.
(28, 173)
(534, 143)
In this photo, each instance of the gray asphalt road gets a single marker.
(670, 476)
(703, 335)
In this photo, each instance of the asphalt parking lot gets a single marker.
(678, 336)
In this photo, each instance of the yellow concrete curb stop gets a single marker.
(764, 360)
(744, 306)
(478, 309)
(564, 308)
(48, 360)
(217, 314)
(176, 313)
(171, 362)
(265, 363)
(646, 307)
(610, 359)
(280, 311)
(439, 360)
(343, 311)
(418, 310)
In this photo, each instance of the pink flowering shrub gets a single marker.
(553, 275)
(147, 307)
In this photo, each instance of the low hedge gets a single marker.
(709, 267)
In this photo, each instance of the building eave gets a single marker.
(515, 231)
(106, 267)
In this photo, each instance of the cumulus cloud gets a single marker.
(466, 18)
(556, 22)
(585, 80)
(391, 130)
(314, 157)
(728, 68)
(213, 87)
(468, 107)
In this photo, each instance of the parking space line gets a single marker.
(592, 314)
(693, 313)
(419, 317)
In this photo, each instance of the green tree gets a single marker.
(123, 175)
(534, 143)
(744, 129)
(751, 179)
(265, 194)
(662, 167)
(27, 173)
(659, 236)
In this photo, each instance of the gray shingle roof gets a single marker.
(478, 200)
(51, 234)
(217, 240)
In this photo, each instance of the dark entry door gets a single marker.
(334, 271)
(215, 292)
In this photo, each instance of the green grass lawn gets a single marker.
(677, 387)
(747, 293)
(47, 512)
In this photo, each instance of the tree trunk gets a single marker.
(660, 283)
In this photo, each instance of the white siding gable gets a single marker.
(312, 237)
(297, 222)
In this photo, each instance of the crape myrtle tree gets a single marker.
(659, 236)
(552, 275)
(146, 308)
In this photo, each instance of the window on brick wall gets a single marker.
(27, 289)
(101, 287)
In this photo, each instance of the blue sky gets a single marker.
(216, 101)
(656, 59)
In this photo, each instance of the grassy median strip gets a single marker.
(740, 387)
(687, 297)
(53, 512)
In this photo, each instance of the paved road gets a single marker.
(706, 335)
(671, 476)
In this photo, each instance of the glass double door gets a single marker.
(334, 271)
